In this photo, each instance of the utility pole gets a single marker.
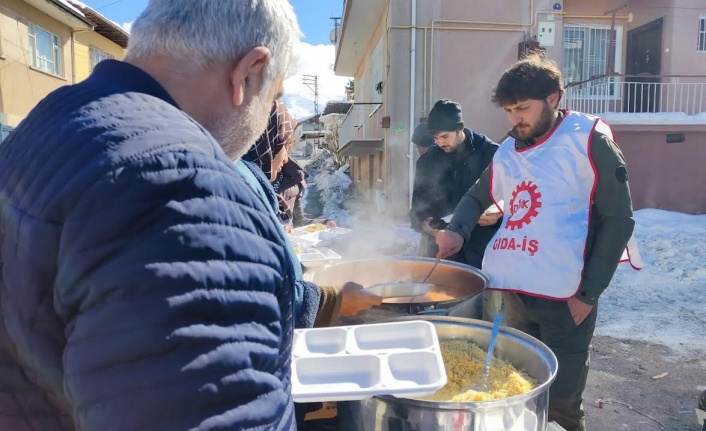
(312, 82)
(334, 33)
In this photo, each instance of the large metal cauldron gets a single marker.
(526, 412)
(457, 287)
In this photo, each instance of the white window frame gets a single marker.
(701, 32)
(617, 61)
(99, 55)
(56, 60)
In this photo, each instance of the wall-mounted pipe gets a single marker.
(412, 94)
(73, 52)
(424, 77)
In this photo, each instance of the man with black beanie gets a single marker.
(429, 192)
(459, 157)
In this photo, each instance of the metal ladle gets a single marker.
(432, 270)
(400, 288)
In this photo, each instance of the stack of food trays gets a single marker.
(356, 362)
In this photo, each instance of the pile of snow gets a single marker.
(664, 302)
(331, 184)
(73, 8)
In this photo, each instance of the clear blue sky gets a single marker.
(313, 15)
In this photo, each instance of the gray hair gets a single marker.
(209, 32)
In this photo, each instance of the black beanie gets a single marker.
(445, 116)
(422, 137)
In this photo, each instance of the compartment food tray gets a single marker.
(328, 234)
(322, 256)
(356, 362)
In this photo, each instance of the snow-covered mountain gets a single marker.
(313, 60)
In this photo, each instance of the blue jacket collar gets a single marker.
(124, 77)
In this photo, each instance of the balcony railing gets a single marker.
(638, 94)
(363, 121)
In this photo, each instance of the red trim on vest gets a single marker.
(490, 190)
(629, 259)
(590, 201)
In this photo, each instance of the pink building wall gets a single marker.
(471, 62)
(666, 176)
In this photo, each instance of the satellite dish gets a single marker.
(333, 36)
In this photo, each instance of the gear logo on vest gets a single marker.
(523, 205)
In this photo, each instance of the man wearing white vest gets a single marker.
(562, 184)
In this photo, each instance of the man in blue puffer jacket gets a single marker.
(144, 285)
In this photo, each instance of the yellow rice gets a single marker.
(464, 368)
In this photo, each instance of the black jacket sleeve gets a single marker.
(471, 207)
(611, 219)
(420, 204)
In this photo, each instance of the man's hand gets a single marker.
(355, 299)
(449, 243)
(331, 223)
(579, 310)
(489, 219)
(426, 227)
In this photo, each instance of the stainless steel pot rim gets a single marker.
(416, 259)
(480, 274)
(481, 405)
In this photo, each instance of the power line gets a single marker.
(109, 4)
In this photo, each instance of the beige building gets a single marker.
(45, 44)
(641, 66)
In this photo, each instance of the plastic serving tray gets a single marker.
(328, 234)
(318, 257)
(356, 362)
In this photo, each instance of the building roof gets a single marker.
(308, 120)
(337, 108)
(64, 12)
(103, 25)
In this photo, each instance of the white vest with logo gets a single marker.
(547, 193)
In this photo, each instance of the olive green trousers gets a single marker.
(551, 322)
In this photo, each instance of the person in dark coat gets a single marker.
(429, 193)
(144, 283)
(269, 153)
(460, 156)
(322, 305)
(290, 186)
(288, 178)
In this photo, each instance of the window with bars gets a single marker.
(586, 53)
(97, 56)
(45, 50)
(702, 35)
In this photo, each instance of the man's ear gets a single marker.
(247, 76)
(553, 99)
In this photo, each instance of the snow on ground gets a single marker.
(332, 184)
(663, 302)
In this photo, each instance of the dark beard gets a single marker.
(546, 122)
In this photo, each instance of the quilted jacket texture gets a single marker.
(144, 285)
